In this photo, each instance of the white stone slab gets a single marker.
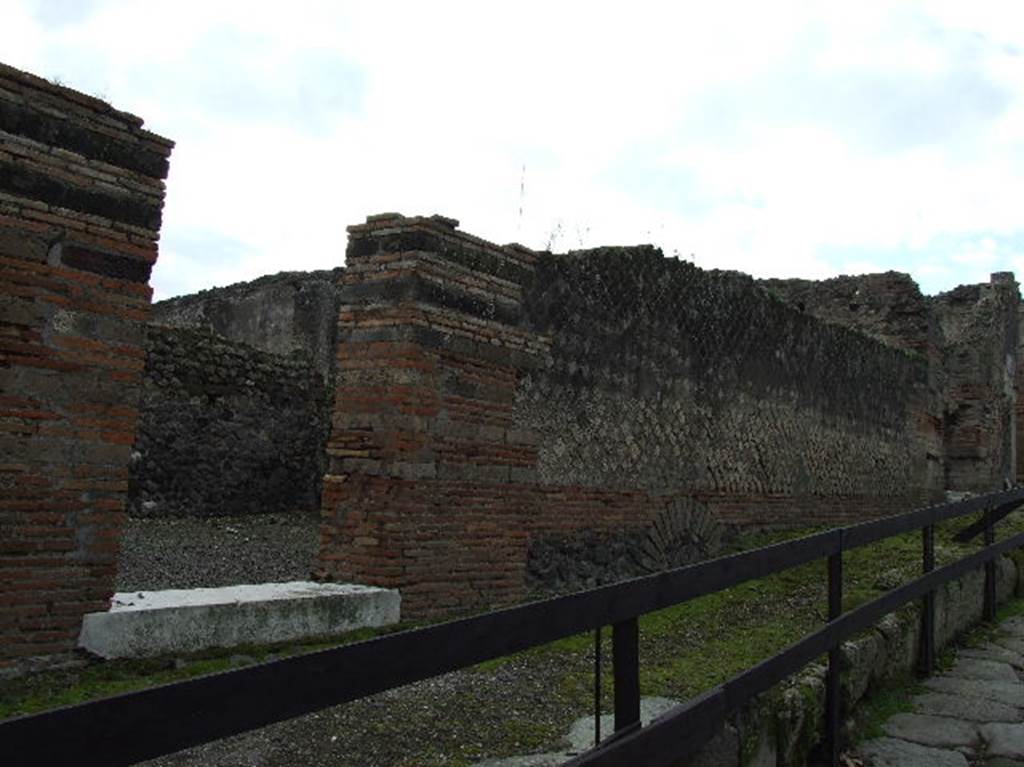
(146, 623)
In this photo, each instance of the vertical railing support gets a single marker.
(990, 570)
(626, 666)
(928, 603)
(833, 688)
(597, 686)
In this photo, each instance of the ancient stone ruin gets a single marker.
(81, 191)
(476, 423)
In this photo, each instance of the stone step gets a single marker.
(147, 623)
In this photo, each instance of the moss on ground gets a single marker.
(98, 679)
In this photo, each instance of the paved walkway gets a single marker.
(972, 714)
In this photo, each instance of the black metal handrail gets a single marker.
(133, 727)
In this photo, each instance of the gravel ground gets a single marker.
(221, 551)
(456, 719)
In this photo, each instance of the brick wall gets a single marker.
(980, 325)
(81, 194)
(489, 398)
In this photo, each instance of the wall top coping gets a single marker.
(380, 224)
(18, 85)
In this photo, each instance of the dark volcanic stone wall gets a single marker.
(666, 377)
(285, 313)
(226, 429)
(970, 337)
(887, 306)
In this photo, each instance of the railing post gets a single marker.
(833, 688)
(597, 686)
(626, 666)
(928, 604)
(990, 570)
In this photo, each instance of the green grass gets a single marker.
(894, 698)
(99, 679)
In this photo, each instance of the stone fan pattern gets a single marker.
(684, 533)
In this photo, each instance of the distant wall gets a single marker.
(81, 194)
(980, 326)
(970, 338)
(226, 429)
(887, 306)
(286, 313)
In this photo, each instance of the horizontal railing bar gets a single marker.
(976, 528)
(693, 717)
(679, 732)
(128, 728)
(864, 533)
(132, 727)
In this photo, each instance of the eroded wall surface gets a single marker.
(81, 193)
(970, 337)
(226, 429)
(669, 378)
(980, 326)
(290, 313)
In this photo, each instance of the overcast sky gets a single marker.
(780, 139)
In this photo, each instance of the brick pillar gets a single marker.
(427, 477)
(81, 194)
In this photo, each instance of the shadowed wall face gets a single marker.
(81, 194)
(226, 429)
(669, 378)
(970, 337)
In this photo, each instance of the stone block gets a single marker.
(142, 624)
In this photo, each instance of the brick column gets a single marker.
(81, 194)
(426, 473)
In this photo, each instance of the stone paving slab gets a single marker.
(993, 651)
(1014, 625)
(934, 731)
(1015, 644)
(991, 670)
(581, 734)
(580, 738)
(1006, 740)
(1010, 693)
(971, 715)
(892, 752)
(972, 709)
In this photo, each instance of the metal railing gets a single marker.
(133, 727)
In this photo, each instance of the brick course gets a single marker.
(81, 190)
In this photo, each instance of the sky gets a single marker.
(782, 139)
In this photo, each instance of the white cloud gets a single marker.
(786, 139)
